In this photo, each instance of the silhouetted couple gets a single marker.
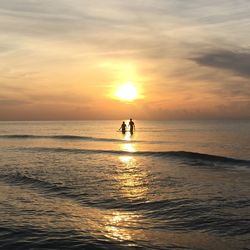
(131, 126)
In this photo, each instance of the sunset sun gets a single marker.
(127, 92)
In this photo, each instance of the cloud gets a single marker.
(51, 50)
(236, 62)
(12, 102)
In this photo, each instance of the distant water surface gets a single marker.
(83, 185)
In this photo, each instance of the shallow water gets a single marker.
(82, 185)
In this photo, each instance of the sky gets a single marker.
(65, 59)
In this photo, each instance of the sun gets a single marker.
(127, 92)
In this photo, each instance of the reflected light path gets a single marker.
(128, 147)
(132, 178)
(126, 159)
(127, 137)
(118, 224)
(132, 182)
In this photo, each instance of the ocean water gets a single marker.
(83, 185)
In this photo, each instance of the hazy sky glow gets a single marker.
(65, 59)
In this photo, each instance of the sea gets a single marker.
(85, 185)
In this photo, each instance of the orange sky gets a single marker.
(65, 59)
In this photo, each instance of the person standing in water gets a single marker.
(123, 127)
(131, 126)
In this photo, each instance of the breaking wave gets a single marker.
(192, 157)
(63, 137)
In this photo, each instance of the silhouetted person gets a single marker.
(123, 127)
(131, 126)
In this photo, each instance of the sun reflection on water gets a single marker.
(126, 159)
(127, 137)
(132, 183)
(132, 178)
(117, 226)
(128, 147)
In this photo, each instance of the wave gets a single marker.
(81, 138)
(63, 137)
(193, 158)
(23, 179)
(172, 214)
